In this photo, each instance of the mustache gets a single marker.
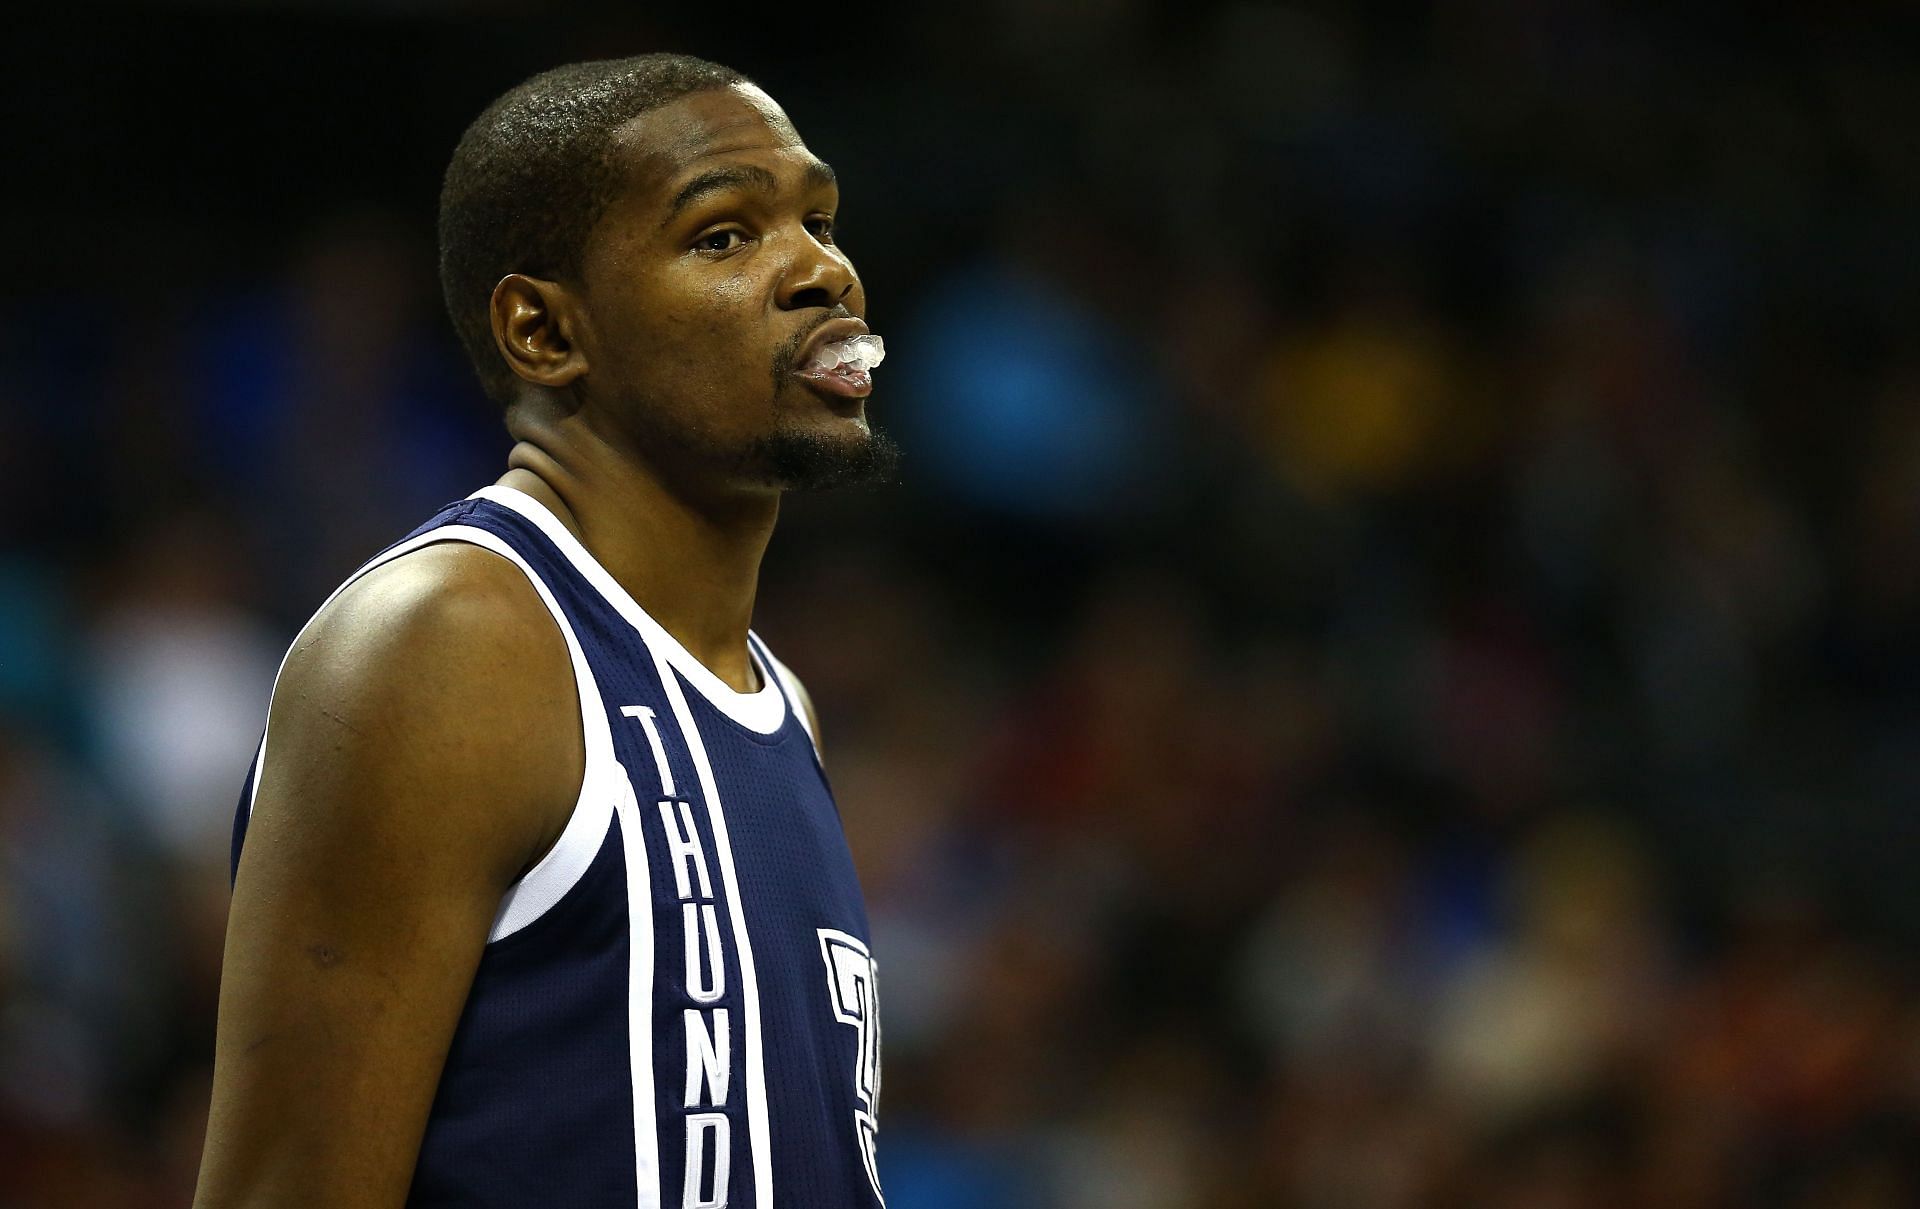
(786, 359)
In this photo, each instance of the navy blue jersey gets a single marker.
(676, 1006)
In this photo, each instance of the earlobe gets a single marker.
(533, 327)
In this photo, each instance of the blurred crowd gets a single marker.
(1389, 680)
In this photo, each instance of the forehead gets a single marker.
(665, 145)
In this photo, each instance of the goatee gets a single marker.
(808, 461)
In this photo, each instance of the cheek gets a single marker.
(699, 340)
(718, 338)
(710, 333)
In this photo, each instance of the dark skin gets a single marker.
(405, 788)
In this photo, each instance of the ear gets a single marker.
(536, 327)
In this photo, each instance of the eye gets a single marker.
(822, 227)
(724, 240)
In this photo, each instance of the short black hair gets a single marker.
(534, 173)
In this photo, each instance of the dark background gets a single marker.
(1389, 679)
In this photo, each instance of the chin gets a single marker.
(817, 457)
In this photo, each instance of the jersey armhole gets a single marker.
(537, 890)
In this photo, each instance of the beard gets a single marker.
(800, 460)
(788, 456)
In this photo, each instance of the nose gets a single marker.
(820, 275)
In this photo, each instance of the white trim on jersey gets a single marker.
(640, 974)
(566, 862)
(790, 682)
(762, 712)
(758, 1134)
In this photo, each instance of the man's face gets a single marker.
(708, 281)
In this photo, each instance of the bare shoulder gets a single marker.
(447, 592)
(441, 670)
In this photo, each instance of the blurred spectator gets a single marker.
(179, 675)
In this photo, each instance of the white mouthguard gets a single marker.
(857, 354)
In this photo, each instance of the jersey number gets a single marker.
(850, 991)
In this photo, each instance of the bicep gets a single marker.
(386, 827)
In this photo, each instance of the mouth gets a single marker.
(840, 358)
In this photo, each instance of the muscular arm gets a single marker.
(424, 749)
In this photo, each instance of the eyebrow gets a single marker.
(742, 176)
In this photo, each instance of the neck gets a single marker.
(692, 560)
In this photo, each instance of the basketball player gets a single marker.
(540, 895)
